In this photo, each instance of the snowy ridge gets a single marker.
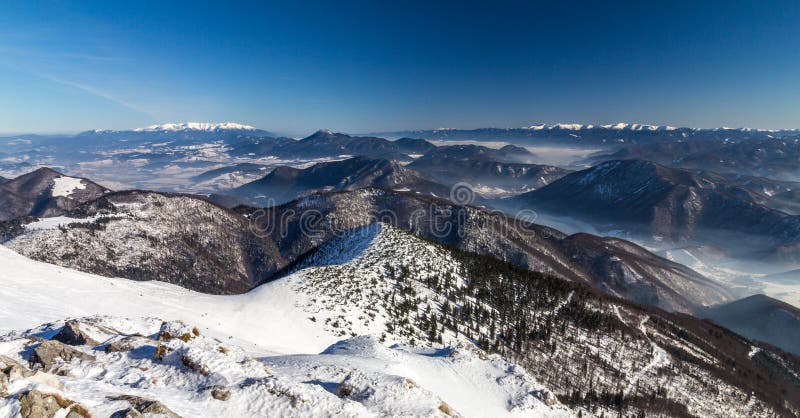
(196, 126)
(271, 320)
(378, 322)
(381, 281)
(194, 375)
(617, 126)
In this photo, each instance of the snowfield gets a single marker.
(276, 362)
(65, 186)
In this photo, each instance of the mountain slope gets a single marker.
(617, 266)
(286, 183)
(571, 347)
(572, 134)
(506, 154)
(151, 236)
(290, 364)
(488, 177)
(761, 318)
(228, 177)
(676, 205)
(490, 302)
(45, 192)
(321, 144)
(765, 155)
(414, 146)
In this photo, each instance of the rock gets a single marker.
(36, 404)
(177, 329)
(548, 398)
(72, 334)
(194, 365)
(3, 385)
(46, 355)
(13, 369)
(144, 406)
(127, 344)
(127, 413)
(218, 392)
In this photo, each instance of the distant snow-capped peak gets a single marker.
(617, 126)
(196, 126)
(639, 127)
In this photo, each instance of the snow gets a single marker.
(753, 351)
(66, 186)
(194, 363)
(305, 360)
(195, 126)
(55, 222)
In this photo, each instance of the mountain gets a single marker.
(197, 126)
(151, 236)
(760, 156)
(487, 177)
(177, 134)
(322, 144)
(378, 322)
(506, 154)
(414, 146)
(616, 266)
(573, 134)
(45, 192)
(256, 354)
(788, 201)
(286, 183)
(154, 142)
(761, 318)
(669, 204)
(228, 177)
(777, 194)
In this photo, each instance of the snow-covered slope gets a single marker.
(617, 266)
(380, 322)
(132, 362)
(272, 321)
(151, 236)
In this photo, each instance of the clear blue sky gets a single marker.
(371, 66)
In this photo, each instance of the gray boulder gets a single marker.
(48, 353)
(36, 404)
(144, 407)
(72, 334)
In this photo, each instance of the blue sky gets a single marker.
(372, 66)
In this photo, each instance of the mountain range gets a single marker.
(668, 204)
(616, 266)
(239, 272)
(154, 236)
(488, 173)
(436, 330)
(760, 156)
(587, 134)
(283, 183)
